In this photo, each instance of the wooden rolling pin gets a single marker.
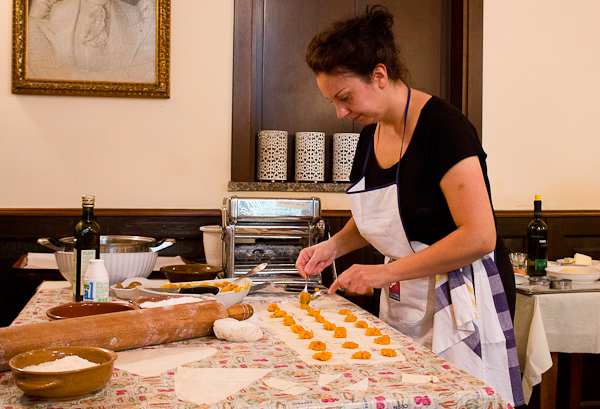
(119, 331)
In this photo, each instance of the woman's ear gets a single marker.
(380, 76)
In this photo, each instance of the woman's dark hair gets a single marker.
(356, 46)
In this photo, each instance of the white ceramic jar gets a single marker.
(310, 156)
(271, 164)
(213, 244)
(344, 148)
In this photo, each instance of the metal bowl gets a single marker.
(540, 280)
(63, 385)
(111, 244)
(563, 284)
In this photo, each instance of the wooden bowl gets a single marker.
(85, 308)
(191, 272)
(63, 385)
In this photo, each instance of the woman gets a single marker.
(420, 196)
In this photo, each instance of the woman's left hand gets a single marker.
(361, 278)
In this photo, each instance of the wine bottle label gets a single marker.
(86, 256)
(541, 264)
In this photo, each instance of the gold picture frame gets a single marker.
(64, 53)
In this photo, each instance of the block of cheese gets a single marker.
(582, 259)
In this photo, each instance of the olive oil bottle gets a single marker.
(537, 241)
(87, 244)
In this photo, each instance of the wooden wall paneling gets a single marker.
(291, 100)
(244, 89)
(20, 233)
(514, 232)
(474, 64)
(273, 88)
(456, 54)
(569, 232)
(570, 235)
(421, 29)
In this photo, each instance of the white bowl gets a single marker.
(120, 266)
(129, 293)
(228, 298)
(588, 274)
(66, 265)
(125, 265)
(520, 279)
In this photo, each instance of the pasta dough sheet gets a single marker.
(153, 362)
(329, 311)
(210, 385)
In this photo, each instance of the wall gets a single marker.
(540, 75)
(540, 112)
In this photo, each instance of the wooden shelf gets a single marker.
(287, 187)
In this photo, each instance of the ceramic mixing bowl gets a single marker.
(120, 266)
(62, 385)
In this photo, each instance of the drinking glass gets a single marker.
(518, 260)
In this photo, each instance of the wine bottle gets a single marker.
(87, 244)
(537, 241)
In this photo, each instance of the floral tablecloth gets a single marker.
(455, 389)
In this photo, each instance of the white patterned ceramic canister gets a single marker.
(310, 156)
(272, 155)
(344, 148)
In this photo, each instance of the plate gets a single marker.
(588, 274)
(131, 293)
(228, 298)
(595, 263)
(86, 308)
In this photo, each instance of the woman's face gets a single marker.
(353, 97)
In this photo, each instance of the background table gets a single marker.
(456, 388)
(547, 324)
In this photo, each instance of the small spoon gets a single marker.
(255, 270)
(304, 300)
(316, 294)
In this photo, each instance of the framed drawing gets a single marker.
(109, 48)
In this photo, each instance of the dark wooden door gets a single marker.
(275, 89)
(291, 100)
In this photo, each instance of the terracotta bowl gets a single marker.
(191, 272)
(85, 308)
(64, 385)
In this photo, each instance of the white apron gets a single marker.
(458, 320)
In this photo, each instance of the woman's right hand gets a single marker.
(314, 259)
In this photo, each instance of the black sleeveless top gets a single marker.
(442, 138)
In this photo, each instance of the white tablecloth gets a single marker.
(545, 323)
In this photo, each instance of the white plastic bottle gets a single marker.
(95, 283)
